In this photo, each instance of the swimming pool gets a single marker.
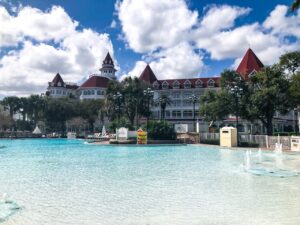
(68, 182)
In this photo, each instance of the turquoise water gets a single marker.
(68, 182)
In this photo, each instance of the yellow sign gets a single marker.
(141, 137)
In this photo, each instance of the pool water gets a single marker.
(68, 182)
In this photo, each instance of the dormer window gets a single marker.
(199, 84)
(210, 83)
(156, 85)
(252, 73)
(176, 84)
(187, 84)
(165, 85)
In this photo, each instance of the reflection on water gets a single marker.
(61, 182)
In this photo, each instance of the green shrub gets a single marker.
(124, 122)
(285, 133)
(160, 130)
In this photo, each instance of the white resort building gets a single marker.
(92, 88)
(180, 91)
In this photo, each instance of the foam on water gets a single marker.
(67, 182)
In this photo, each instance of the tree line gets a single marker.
(275, 88)
(59, 113)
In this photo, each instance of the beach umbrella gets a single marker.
(104, 134)
(37, 130)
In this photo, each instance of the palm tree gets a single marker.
(11, 103)
(295, 5)
(24, 107)
(164, 101)
(36, 106)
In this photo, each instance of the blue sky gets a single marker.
(186, 46)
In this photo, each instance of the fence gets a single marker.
(209, 136)
(263, 141)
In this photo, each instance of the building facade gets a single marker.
(93, 88)
(179, 91)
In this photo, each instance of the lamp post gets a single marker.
(236, 92)
(117, 97)
(148, 93)
(194, 100)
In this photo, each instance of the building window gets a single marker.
(199, 84)
(176, 94)
(64, 92)
(165, 85)
(176, 102)
(187, 113)
(156, 85)
(187, 84)
(176, 114)
(211, 83)
(176, 84)
(186, 95)
(167, 114)
(58, 84)
(252, 73)
(186, 103)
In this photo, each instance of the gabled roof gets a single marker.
(57, 79)
(95, 82)
(249, 63)
(108, 60)
(148, 76)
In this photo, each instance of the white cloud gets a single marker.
(283, 24)
(113, 24)
(57, 47)
(221, 17)
(268, 40)
(33, 23)
(148, 28)
(151, 24)
(180, 61)
(136, 71)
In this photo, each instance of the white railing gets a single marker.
(263, 141)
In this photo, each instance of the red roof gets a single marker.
(95, 81)
(56, 80)
(249, 63)
(193, 82)
(148, 76)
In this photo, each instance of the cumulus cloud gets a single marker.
(280, 23)
(136, 71)
(149, 26)
(43, 43)
(232, 42)
(180, 61)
